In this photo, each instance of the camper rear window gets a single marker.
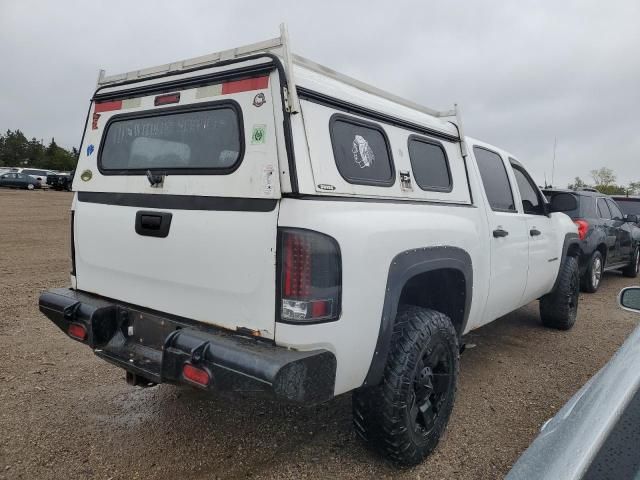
(207, 140)
(361, 151)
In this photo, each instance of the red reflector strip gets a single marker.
(196, 375)
(108, 106)
(320, 308)
(77, 331)
(245, 85)
(166, 99)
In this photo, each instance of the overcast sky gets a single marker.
(523, 73)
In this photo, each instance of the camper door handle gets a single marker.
(153, 224)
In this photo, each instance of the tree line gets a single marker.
(604, 180)
(17, 151)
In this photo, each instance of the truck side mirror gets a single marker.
(631, 218)
(563, 202)
(629, 298)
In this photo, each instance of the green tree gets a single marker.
(611, 189)
(634, 188)
(14, 148)
(577, 184)
(603, 177)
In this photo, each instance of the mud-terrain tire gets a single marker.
(593, 275)
(633, 268)
(404, 417)
(559, 308)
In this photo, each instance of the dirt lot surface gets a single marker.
(67, 414)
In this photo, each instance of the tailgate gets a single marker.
(177, 201)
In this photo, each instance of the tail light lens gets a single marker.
(583, 228)
(77, 331)
(196, 375)
(310, 276)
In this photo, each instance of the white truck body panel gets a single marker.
(219, 267)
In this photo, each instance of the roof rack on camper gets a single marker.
(279, 46)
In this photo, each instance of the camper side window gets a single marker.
(429, 164)
(361, 151)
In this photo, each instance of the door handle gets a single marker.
(534, 232)
(499, 232)
(153, 224)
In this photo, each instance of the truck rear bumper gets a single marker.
(154, 347)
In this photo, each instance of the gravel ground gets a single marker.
(67, 414)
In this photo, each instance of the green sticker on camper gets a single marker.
(259, 134)
(86, 175)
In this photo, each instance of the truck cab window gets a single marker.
(495, 180)
(531, 199)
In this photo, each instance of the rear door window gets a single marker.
(361, 151)
(205, 139)
(603, 210)
(495, 180)
(429, 164)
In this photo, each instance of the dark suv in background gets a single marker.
(629, 205)
(609, 239)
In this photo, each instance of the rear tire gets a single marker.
(404, 417)
(559, 308)
(633, 268)
(593, 275)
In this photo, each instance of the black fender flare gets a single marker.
(405, 266)
(570, 247)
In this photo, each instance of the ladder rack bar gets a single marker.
(204, 60)
(281, 47)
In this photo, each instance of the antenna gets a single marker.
(553, 165)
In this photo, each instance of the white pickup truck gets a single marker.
(253, 220)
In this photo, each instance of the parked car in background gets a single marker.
(596, 435)
(18, 180)
(38, 174)
(60, 180)
(630, 205)
(609, 239)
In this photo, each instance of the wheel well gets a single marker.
(573, 250)
(603, 251)
(443, 290)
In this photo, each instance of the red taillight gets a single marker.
(196, 374)
(77, 331)
(297, 272)
(583, 228)
(311, 281)
(166, 99)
